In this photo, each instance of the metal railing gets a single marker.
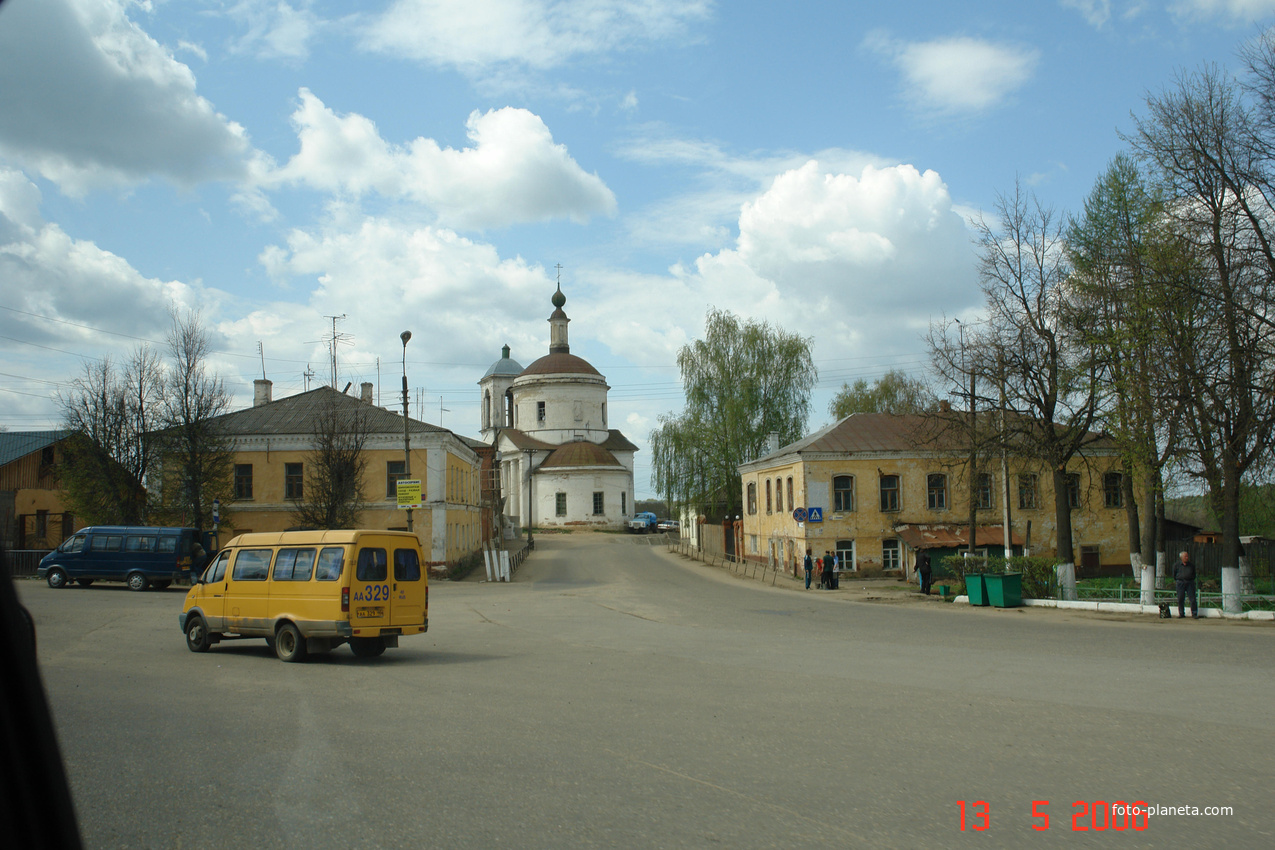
(750, 569)
(23, 562)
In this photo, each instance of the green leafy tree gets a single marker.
(893, 392)
(743, 381)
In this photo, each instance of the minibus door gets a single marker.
(211, 592)
(408, 596)
(370, 590)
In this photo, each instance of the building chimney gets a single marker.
(365, 392)
(261, 392)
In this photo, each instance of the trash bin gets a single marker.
(1005, 591)
(976, 589)
(945, 590)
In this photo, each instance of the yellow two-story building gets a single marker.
(880, 487)
(273, 442)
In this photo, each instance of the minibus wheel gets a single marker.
(367, 647)
(56, 578)
(197, 634)
(137, 581)
(288, 643)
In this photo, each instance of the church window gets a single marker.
(540, 411)
(597, 504)
(560, 500)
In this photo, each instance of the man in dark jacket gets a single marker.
(1184, 577)
(923, 568)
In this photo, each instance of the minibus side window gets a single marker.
(372, 565)
(329, 564)
(252, 565)
(103, 543)
(407, 567)
(293, 564)
(139, 544)
(73, 544)
(168, 545)
(217, 571)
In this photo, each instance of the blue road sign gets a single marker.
(814, 514)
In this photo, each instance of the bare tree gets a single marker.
(111, 450)
(333, 490)
(198, 462)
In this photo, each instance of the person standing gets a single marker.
(810, 566)
(923, 568)
(1184, 578)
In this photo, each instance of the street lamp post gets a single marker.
(407, 440)
(531, 543)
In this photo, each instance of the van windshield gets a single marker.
(72, 544)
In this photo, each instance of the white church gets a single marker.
(560, 465)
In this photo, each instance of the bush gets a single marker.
(1039, 579)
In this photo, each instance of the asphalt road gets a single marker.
(614, 695)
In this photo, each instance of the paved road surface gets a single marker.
(618, 696)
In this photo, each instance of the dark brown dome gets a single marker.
(561, 364)
(579, 453)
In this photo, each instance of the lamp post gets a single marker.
(531, 543)
(407, 440)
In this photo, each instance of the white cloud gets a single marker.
(1096, 12)
(958, 74)
(1236, 11)
(476, 35)
(514, 172)
(90, 100)
(275, 29)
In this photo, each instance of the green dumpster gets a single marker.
(1005, 591)
(976, 589)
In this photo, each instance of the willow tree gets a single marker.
(743, 381)
(894, 392)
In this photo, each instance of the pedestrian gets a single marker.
(810, 566)
(1184, 578)
(826, 576)
(836, 571)
(923, 568)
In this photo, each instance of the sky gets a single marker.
(439, 165)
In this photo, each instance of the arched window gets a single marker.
(752, 497)
(779, 495)
(769, 509)
(791, 503)
(486, 409)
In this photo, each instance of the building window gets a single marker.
(1073, 491)
(768, 504)
(560, 504)
(292, 481)
(985, 493)
(394, 470)
(752, 497)
(1113, 490)
(890, 555)
(243, 481)
(1027, 491)
(936, 491)
(889, 492)
(597, 504)
(540, 411)
(624, 504)
(842, 493)
(845, 556)
(791, 503)
(779, 495)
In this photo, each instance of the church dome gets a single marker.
(505, 366)
(577, 454)
(561, 363)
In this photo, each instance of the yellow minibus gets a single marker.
(311, 591)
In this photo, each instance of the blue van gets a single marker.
(140, 556)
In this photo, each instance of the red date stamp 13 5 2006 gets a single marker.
(1097, 816)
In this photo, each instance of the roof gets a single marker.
(578, 454)
(953, 536)
(19, 444)
(295, 415)
(561, 363)
(506, 365)
(615, 441)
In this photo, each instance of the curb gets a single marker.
(1130, 608)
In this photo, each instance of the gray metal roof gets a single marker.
(19, 444)
(295, 415)
(506, 365)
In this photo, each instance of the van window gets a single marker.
(168, 545)
(106, 543)
(217, 571)
(329, 565)
(139, 544)
(252, 565)
(372, 565)
(407, 567)
(72, 544)
(293, 564)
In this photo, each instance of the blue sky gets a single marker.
(426, 165)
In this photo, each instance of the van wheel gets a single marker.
(56, 578)
(367, 647)
(162, 585)
(289, 645)
(137, 581)
(84, 582)
(197, 634)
